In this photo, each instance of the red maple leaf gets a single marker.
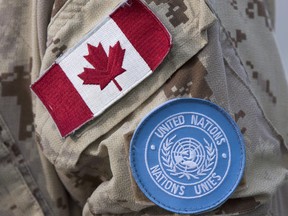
(106, 68)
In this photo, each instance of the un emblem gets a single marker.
(188, 149)
(187, 158)
(188, 145)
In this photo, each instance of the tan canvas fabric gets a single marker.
(22, 182)
(217, 55)
(268, 80)
(218, 75)
(82, 178)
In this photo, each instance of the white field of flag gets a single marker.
(74, 91)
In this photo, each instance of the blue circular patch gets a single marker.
(187, 156)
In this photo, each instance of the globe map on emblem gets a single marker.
(187, 158)
(188, 155)
(188, 150)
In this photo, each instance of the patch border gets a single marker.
(152, 56)
(154, 112)
(227, 169)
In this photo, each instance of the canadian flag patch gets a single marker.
(110, 61)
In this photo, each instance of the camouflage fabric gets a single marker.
(217, 55)
(22, 180)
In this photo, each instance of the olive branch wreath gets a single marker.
(209, 159)
(167, 160)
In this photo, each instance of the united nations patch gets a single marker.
(187, 156)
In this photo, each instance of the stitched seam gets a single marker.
(274, 130)
(59, 12)
(65, 9)
(197, 33)
(142, 186)
(227, 36)
(67, 21)
(80, 6)
(167, 36)
(26, 177)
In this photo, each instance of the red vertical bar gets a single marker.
(142, 28)
(62, 100)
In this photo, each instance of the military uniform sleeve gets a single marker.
(23, 181)
(216, 56)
